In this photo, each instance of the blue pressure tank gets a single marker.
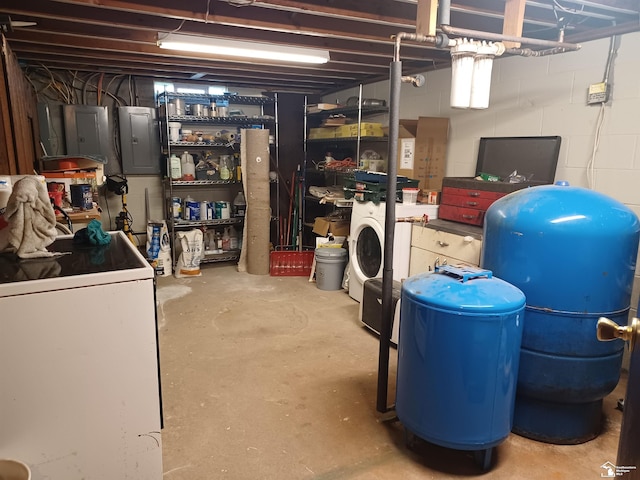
(458, 350)
(572, 251)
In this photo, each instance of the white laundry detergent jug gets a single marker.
(175, 167)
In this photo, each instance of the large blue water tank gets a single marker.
(458, 349)
(572, 251)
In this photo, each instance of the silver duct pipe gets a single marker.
(444, 12)
(527, 52)
(416, 37)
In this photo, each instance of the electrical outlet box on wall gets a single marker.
(598, 93)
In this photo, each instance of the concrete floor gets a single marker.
(271, 378)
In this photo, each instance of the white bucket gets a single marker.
(330, 265)
(410, 196)
(14, 470)
(174, 131)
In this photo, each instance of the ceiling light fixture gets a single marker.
(238, 48)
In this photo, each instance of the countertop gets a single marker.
(455, 228)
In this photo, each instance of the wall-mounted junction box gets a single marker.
(598, 93)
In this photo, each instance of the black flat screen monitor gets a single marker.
(529, 156)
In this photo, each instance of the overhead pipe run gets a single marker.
(527, 52)
(488, 49)
(499, 37)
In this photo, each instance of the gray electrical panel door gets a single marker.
(86, 129)
(139, 140)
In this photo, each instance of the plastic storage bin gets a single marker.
(283, 263)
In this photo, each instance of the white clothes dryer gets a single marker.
(366, 243)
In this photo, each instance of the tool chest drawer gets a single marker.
(466, 200)
(471, 216)
(481, 202)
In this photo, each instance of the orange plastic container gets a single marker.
(283, 263)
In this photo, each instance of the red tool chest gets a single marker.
(466, 200)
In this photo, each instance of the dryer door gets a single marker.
(366, 249)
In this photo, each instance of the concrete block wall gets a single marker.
(547, 96)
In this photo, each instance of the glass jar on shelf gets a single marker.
(226, 167)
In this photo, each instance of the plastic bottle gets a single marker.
(239, 205)
(175, 167)
(238, 168)
(188, 167)
(226, 167)
(226, 240)
(233, 239)
(211, 241)
(204, 208)
(176, 207)
(223, 210)
(187, 209)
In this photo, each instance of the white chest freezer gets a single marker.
(79, 374)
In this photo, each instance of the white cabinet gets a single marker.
(443, 243)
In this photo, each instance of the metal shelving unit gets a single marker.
(228, 188)
(311, 205)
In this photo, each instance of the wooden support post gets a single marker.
(426, 17)
(513, 20)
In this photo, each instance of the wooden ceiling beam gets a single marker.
(373, 11)
(70, 65)
(123, 33)
(191, 66)
(114, 38)
(375, 45)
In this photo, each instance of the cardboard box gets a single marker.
(431, 197)
(366, 130)
(334, 121)
(422, 151)
(322, 133)
(407, 147)
(321, 107)
(327, 225)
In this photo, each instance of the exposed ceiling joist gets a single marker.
(116, 36)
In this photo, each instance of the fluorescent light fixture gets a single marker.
(238, 48)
